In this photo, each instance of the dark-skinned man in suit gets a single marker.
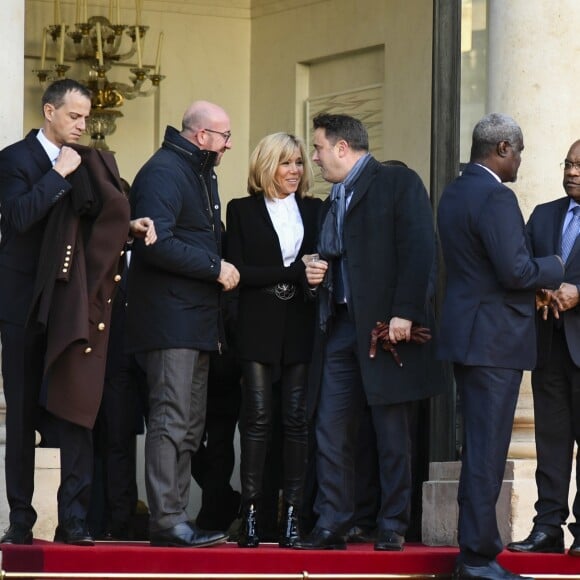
(488, 327)
(556, 379)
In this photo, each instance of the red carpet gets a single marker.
(358, 561)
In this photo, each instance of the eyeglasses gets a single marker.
(227, 135)
(567, 165)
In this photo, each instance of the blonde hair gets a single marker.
(267, 156)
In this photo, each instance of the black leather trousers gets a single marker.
(255, 427)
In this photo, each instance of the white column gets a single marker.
(11, 120)
(532, 51)
(12, 71)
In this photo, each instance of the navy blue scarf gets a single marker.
(330, 242)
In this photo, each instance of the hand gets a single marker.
(546, 304)
(399, 330)
(543, 298)
(315, 272)
(67, 161)
(565, 297)
(229, 276)
(143, 228)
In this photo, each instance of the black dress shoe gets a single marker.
(574, 549)
(186, 535)
(17, 534)
(540, 542)
(248, 536)
(73, 531)
(389, 541)
(116, 534)
(289, 530)
(321, 539)
(491, 571)
(361, 535)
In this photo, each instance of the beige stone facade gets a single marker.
(268, 62)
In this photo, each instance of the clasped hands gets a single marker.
(143, 228)
(556, 301)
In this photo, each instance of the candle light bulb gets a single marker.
(43, 58)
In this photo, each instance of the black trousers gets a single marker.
(22, 370)
(556, 389)
(115, 438)
(340, 408)
(488, 398)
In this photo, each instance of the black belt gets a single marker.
(282, 290)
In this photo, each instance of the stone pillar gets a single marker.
(11, 118)
(440, 510)
(12, 71)
(531, 81)
(532, 48)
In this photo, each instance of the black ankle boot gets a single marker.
(249, 529)
(289, 529)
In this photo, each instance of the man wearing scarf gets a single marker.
(376, 252)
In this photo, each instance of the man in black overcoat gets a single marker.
(377, 239)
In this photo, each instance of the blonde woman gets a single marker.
(271, 236)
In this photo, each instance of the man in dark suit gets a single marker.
(33, 176)
(36, 176)
(553, 228)
(36, 248)
(378, 241)
(488, 326)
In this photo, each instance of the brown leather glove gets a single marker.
(380, 333)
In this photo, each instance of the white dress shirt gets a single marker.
(51, 149)
(287, 222)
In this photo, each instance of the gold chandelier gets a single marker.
(97, 43)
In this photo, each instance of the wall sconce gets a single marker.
(97, 42)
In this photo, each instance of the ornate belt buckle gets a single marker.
(284, 291)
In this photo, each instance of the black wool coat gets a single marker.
(389, 245)
(270, 330)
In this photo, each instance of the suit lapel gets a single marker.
(301, 209)
(264, 214)
(557, 219)
(576, 246)
(38, 153)
(362, 185)
(110, 163)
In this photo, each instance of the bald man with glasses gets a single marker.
(173, 312)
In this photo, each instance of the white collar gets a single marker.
(290, 199)
(51, 149)
(493, 173)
